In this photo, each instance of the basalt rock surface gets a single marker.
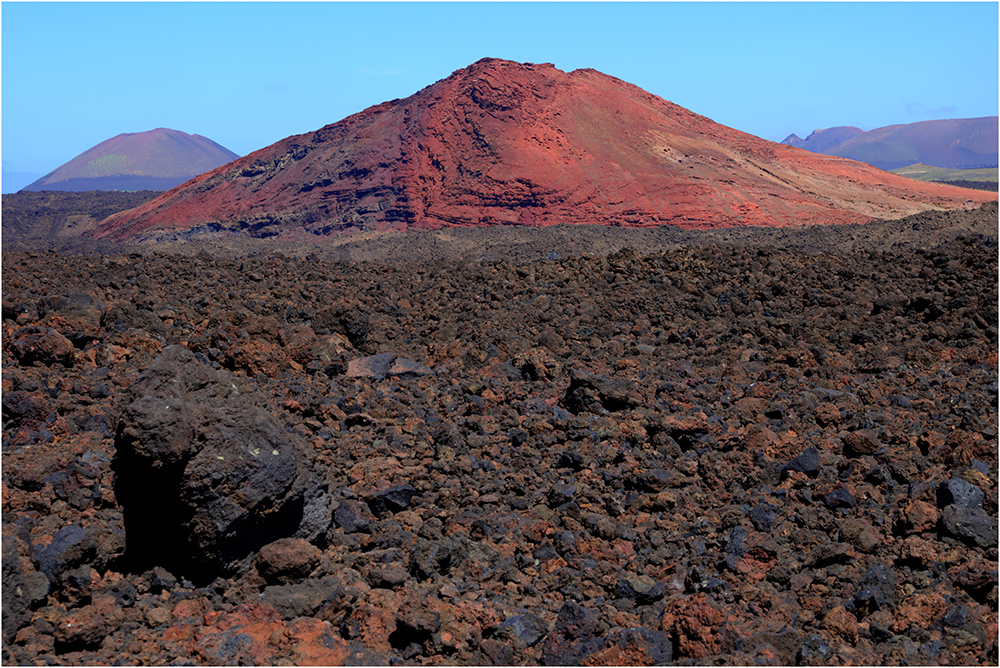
(205, 474)
(712, 454)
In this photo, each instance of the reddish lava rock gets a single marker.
(859, 443)
(86, 627)
(42, 344)
(287, 559)
(698, 624)
(503, 143)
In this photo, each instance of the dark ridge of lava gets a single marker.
(503, 143)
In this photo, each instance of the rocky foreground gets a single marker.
(712, 455)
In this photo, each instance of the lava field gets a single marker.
(712, 454)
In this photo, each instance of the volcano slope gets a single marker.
(153, 160)
(502, 143)
(713, 454)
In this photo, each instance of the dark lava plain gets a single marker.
(564, 446)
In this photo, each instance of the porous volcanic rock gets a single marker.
(739, 454)
(205, 475)
(503, 143)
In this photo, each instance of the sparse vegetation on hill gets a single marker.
(974, 185)
(53, 210)
(156, 160)
(922, 172)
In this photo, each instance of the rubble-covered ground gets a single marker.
(732, 455)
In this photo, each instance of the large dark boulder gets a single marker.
(960, 493)
(525, 630)
(973, 526)
(205, 473)
(70, 547)
(808, 462)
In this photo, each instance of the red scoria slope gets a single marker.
(508, 143)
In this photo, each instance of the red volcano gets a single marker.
(501, 143)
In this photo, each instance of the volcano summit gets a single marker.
(503, 143)
(158, 159)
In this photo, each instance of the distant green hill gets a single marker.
(980, 179)
(923, 172)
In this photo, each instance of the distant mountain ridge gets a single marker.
(158, 159)
(960, 143)
(821, 140)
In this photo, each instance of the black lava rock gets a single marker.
(970, 525)
(206, 474)
(807, 462)
(391, 500)
(960, 493)
(527, 629)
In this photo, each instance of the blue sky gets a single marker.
(249, 74)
